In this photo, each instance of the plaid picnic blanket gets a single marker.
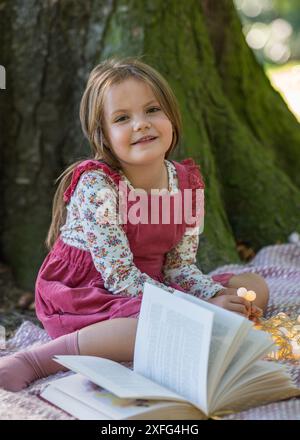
(278, 264)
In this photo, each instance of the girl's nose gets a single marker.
(141, 123)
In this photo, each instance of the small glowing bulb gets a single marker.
(249, 295)
(242, 291)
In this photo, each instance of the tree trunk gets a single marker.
(235, 125)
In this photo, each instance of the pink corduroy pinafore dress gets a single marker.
(70, 292)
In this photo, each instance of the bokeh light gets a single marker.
(272, 31)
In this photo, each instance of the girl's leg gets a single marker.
(252, 281)
(113, 339)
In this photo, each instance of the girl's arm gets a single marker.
(105, 239)
(180, 268)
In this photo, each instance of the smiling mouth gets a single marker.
(145, 141)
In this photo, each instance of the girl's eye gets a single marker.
(151, 110)
(154, 108)
(120, 119)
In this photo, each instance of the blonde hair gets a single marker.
(110, 72)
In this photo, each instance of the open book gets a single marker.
(192, 360)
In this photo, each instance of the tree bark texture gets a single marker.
(235, 125)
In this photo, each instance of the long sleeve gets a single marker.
(96, 200)
(180, 268)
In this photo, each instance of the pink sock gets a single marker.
(20, 369)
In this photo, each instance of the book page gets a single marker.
(256, 344)
(264, 382)
(116, 378)
(229, 330)
(73, 405)
(97, 398)
(172, 344)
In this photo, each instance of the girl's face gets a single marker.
(131, 112)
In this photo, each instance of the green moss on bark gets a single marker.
(249, 91)
(251, 191)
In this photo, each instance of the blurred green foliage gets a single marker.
(271, 28)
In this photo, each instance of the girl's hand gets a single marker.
(256, 313)
(228, 299)
(253, 312)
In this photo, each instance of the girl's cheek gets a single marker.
(118, 134)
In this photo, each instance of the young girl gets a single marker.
(89, 287)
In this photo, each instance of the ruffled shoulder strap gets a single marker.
(189, 177)
(88, 165)
(189, 174)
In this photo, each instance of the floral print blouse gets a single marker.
(109, 247)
